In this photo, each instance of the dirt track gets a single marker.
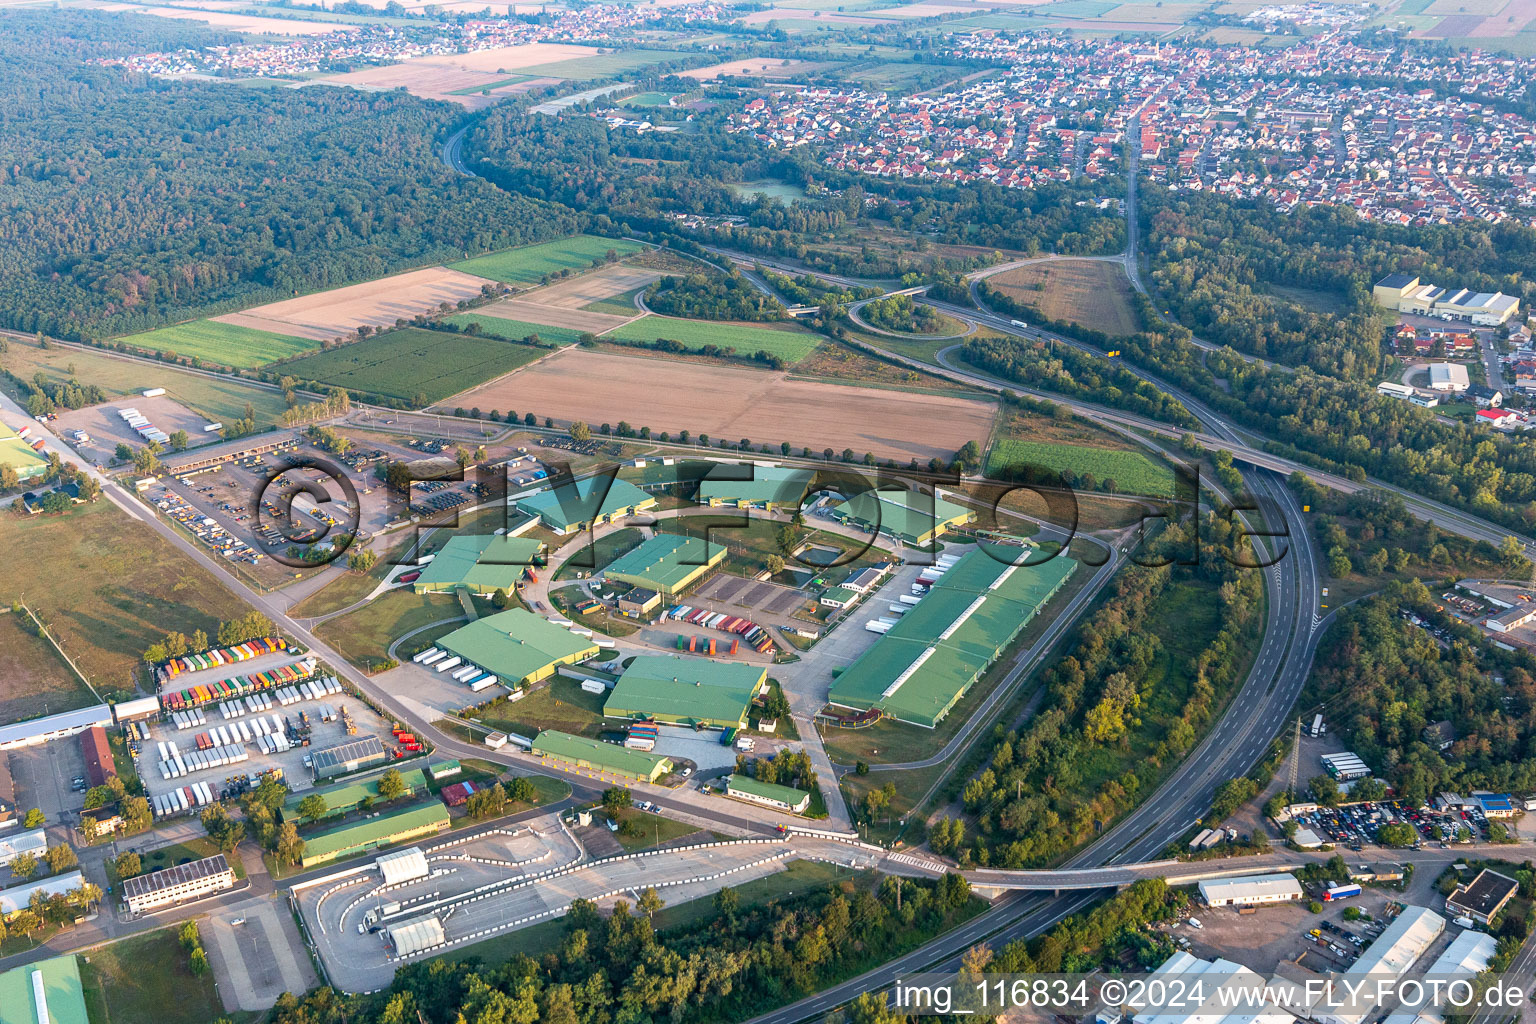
(731, 402)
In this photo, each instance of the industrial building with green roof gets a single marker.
(482, 565)
(16, 454)
(686, 691)
(57, 988)
(909, 516)
(346, 796)
(769, 794)
(518, 646)
(600, 757)
(934, 653)
(767, 487)
(385, 830)
(577, 504)
(667, 563)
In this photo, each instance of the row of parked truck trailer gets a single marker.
(906, 602)
(183, 799)
(174, 763)
(756, 636)
(473, 676)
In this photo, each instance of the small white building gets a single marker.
(1250, 890)
(403, 865)
(416, 935)
(1448, 377)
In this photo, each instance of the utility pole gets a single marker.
(1295, 759)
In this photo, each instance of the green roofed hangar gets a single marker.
(920, 669)
(575, 505)
(909, 516)
(518, 646)
(597, 756)
(686, 691)
(768, 794)
(770, 488)
(48, 990)
(667, 563)
(16, 454)
(385, 830)
(482, 565)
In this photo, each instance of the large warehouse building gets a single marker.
(924, 664)
(347, 796)
(518, 646)
(591, 501)
(686, 691)
(597, 756)
(47, 992)
(667, 563)
(770, 488)
(908, 516)
(178, 884)
(351, 756)
(19, 897)
(1390, 956)
(1405, 294)
(1250, 890)
(54, 727)
(385, 830)
(481, 565)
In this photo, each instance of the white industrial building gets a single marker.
(18, 897)
(1448, 377)
(178, 884)
(1405, 293)
(1393, 952)
(54, 727)
(1239, 1001)
(1250, 890)
(403, 865)
(34, 842)
(1345, 766)
(133, 710)
(416, 935)
(1468, 955)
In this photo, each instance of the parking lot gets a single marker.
(106, 429)
(1357, 825)
(1282, 932)
(50, 777)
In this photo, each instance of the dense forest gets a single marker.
(131, 201)
(734, 963)
(1385, 679)
(1120, 707)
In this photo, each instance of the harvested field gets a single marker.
(595, 63)
(927, 9)
(726, 401)
(341, 311)
(789, 344)
(32, 675)
(554, 316)
(441, 75)
(594, 287)
(1454, 7)
(414, 365)
(529, 263)
(1093, 293)
(750, 66)
(240, 342)
(809, 18)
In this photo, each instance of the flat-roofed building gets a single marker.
(575, 505)
(667, 563)
(1390, 956)
(768, 794)
(351, 756)
(1250, 890)
(13, 844)
(769, 488)
(385, 830)
(1405, 293)
(518, 646)
(46, 992)
(1450, 377)
(178, 884)
(686, 691)
(595, 755)
(54, 727)
(481, 565)
(908, 516)
(414, 936)
(1482, 898)
(18, 897)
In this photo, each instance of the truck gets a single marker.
(1340, 892)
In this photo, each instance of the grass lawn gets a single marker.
(561, 705)
(217, 400)
(413, 365)
(654, 830)
(224, 344)
(789, 343)
(1132, 472)
(647, 99)
(529, 263)
(783, 191)
(34, 680)
(797, 876)
(364, 636)
(516, 330)
(342, 592)
(146, 980)
(182, 853)
(1093, 293)
(113, 587)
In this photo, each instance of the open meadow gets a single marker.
(1132, 472)
(411, 364)
(1093, 293)
(789, 344)
(529, 263)
(223, 342)
(514, 330)
(738, 402)
(34, 680)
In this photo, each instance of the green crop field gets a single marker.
(789, 345)
(529, 263)
(647, 99)
(517, 330)
(413, 364)
(225, 344)
(1132, 472)
(500, 83)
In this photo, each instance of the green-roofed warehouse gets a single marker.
(667, 563)
(57, 987)
(518, 646)
(686, 691)
(385, 830)
(908, 516)
(483, 565)
(578, 504)
(769, 487)
(597, 756)
(769, 794)
(346, 796)
(16, 454)
(918, 670)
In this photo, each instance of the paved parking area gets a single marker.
(43, 775)
(741, 594)
(257, 954)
